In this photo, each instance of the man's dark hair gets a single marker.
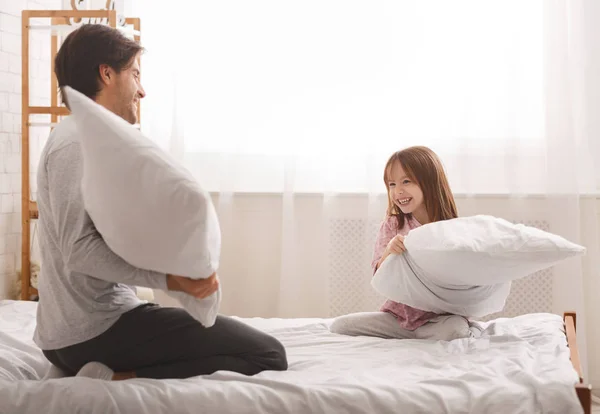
(79, 58)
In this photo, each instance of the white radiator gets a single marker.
(350, 251)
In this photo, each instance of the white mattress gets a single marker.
(519, 365)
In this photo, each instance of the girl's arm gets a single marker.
(387, 232)
(388, 242)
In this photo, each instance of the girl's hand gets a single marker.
(396, 245)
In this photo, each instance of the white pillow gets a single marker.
(149, 210)
(400, 279)
(484, 250)
(465, 265)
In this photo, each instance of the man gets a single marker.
(90, 321)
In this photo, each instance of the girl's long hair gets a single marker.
(423, 166)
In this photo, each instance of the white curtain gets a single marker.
(286, 112)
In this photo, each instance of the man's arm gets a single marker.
(83, 249)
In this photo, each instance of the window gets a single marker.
(324, 91)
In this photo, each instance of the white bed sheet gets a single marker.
(519, 365)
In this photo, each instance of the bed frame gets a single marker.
(584, 391)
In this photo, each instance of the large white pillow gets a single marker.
(400, 279)
(465, 265)
(484, 250)
(149, 209)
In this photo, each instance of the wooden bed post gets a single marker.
(584, 391)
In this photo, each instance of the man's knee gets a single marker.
(280, 361)
(276, 355)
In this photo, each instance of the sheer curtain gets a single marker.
(286, 112)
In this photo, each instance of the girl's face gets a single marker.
(406, 194)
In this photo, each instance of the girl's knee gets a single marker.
(379, 324)
(340, 325)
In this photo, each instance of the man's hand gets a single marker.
(198, 288)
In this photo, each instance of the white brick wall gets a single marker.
(10, 125)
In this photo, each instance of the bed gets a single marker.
(524, 364)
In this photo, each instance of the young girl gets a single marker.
(418, 193)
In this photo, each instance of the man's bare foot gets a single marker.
(100, 371)
(96, 370)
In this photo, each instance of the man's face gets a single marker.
(127, 92)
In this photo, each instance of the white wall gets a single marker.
(10, 125)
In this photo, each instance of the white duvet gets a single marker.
(518, 365)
